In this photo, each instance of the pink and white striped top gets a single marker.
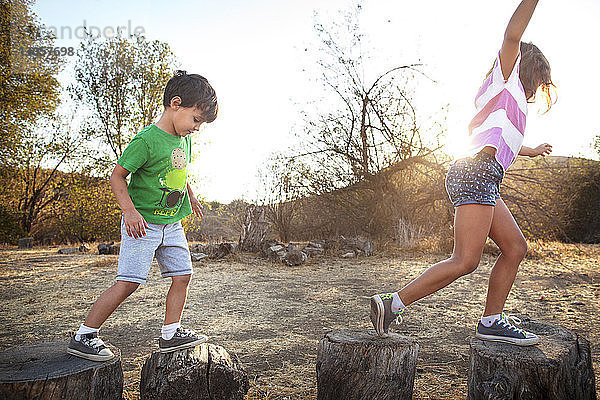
(501, 115)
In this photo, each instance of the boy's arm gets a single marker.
(135, 224)
(542, 150)
(512, 36)
(196, 206)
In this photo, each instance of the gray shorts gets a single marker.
(474, 180)
(165, 241)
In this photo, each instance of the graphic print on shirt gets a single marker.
(172, 183)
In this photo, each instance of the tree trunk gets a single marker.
(558, 367)
(255, 229)
(205, 372)
(358, 365)
(46, 371)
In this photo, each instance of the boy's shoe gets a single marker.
(182, 339)
(90, 347)
(504, 330)
(381, 313)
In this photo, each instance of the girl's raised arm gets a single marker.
(512, 36)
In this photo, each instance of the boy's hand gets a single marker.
(542, 150)
(135, 224)
(196, 207)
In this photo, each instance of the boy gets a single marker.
(153, 204)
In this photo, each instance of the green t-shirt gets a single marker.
(158, 163)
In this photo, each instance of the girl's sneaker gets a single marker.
(504, 330)
(381, 313)
(182, 339)
(90, 347)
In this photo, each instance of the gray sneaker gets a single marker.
(504, 330)
(182, 339)
(90, 347)
(381, 313)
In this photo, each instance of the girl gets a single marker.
(496, 137)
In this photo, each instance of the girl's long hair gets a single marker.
(535, 75)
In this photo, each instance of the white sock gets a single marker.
(169, 330)
(84, 330)
(489, 320)
(397, 304)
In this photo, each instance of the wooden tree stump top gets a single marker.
(45, 361)
(368, 337)
(559, 367)
(555, 343)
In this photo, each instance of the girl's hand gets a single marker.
(542, 150)
(196, 207)
(135, 224)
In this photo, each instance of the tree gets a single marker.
(28, 85)
(33, 182)
(371, 124)
(120, 81)
(363, 133)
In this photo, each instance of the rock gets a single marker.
(206, 372)
(275, 252)
(359, 365)
(46, 371)
(104, 248)
(198, 256)
(294, 258)
(558, 367)
(25, 243)
(68, 250)
(366, 246)
(224, 249)
(313, 251)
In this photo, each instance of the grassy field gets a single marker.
(273, 316)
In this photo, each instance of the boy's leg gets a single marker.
(108, 302)
(174, 259)
(471, 227)
(176, 298)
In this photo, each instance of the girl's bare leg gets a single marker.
(506, 234)
(471, 227)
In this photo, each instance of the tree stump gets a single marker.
(358, 365)
(46, 371)
(205, 372)
(558, 367)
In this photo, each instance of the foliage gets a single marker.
(28, 85)
(120, 81)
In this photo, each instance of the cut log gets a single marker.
(46, 371)
(206, 372)
(558, 367)
(358, 364)
(25, 243)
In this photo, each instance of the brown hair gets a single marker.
(534, 73)
(194, 91)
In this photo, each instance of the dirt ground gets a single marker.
(273, 316)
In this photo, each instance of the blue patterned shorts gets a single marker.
(474, 180)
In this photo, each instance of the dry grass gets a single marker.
(273, 316)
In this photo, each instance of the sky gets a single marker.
(254, 54)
